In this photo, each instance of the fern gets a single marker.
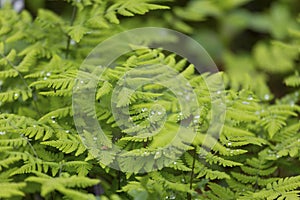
(11, 189)
(278, 189)
(220, 193)
(63, 184)
(130, 8)
(293, 81)
(67, 145)
(155, 110)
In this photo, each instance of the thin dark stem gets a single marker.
(15, 68)
(189, 196)
(119, 180)
(23, 79)
(24, 137)
(74, 12)
(32, 148)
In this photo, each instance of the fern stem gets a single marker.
(189, 196)
(23, 80)
(256, 186)
(119, 180)
(61, 164)
(74, 12)
(25, 138)
(15, 68)
(31, 147)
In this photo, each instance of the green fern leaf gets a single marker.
(8, 190)
(293, 81)
(77, 32)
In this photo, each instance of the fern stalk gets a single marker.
(23, 80)
(74, 12)
(189, 196)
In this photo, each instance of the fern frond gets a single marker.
(57, 114)
(252, 179)
(281, 188)
(15, 142)
(8, 190)
(82, 168)
(48, 19)
(179, 165)
(275, 57)
(293, 81)
(273, 119)
(67, 145)
(77, 32)
(62, 83)
(201, 170)
(57, 93)
(213, 159)
(35, 164)
(289, 146)
(10, 73)
(4, 163)
(13, 95)
(130, 8)
(103, 90)
(220, 192)
(38, 132)
(260, 172)
(62, 183)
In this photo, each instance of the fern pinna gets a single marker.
(254, 156)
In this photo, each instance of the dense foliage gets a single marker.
(256, 155)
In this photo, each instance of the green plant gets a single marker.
(255, 155)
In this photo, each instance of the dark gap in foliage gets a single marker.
(246, 40)
(258, 5)
(277, 86)
(60, 7)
